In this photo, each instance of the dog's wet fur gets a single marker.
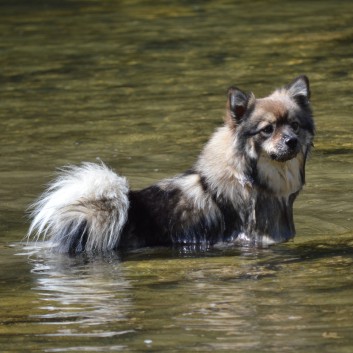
(241, 189)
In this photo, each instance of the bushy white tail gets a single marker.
(85, 208)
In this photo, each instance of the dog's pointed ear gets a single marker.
(299, 88)
(237, 105)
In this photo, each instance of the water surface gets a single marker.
(141, 85)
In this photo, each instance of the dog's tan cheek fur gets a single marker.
(252, 148)
(265, 146)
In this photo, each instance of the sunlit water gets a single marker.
(141, 85)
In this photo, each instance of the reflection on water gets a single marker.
(141, 86)
(251, 299)
(75, 284)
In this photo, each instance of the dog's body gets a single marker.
(240, 190)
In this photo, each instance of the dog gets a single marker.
(241, 189)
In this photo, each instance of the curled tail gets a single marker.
(85, 208)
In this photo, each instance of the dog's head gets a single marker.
(279, 126)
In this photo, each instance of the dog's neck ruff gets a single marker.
(222, 172)
(281, 178)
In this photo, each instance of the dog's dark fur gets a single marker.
(240, 190)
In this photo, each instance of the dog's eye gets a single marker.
(267, 129)
(295, 126)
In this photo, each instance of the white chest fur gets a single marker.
(283, 178)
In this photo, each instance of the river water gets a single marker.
(141, 85)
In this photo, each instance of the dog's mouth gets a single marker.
(283, 157)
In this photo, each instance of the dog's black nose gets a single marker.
(291, 142)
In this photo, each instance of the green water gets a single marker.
(141, 85)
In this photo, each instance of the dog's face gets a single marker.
(279, 126)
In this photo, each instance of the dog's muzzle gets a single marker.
(287, 149)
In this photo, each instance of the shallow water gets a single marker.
(141, 85)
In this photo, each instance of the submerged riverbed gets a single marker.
(141, 85)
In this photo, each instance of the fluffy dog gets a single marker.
(240, 190)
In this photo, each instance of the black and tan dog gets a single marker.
(240, 190)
